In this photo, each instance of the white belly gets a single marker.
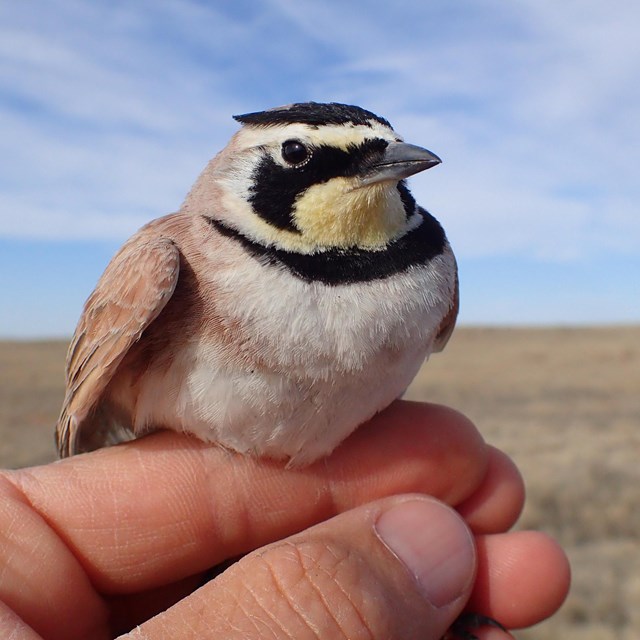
(333, 359)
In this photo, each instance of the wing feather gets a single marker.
(449, 321)
(135, 287)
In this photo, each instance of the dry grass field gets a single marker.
(565, 403)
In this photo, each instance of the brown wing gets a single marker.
(133, 290)
(448, 322)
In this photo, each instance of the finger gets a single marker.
(523, 578)
(493, 508)
(153, 511)
(409, 441)
(13, 627)
(35, 565)
(128, 611)
(497, 503)
(399, 568)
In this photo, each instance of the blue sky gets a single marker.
(110, 109)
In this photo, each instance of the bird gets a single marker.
(294, 294)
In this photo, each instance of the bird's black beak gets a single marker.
(400, 160)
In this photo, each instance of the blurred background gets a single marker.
(109, 110)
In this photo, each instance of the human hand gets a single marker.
(96, 544)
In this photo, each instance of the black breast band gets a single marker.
(351, 265)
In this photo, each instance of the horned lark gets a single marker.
(293, 296)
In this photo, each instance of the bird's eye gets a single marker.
(294, 152)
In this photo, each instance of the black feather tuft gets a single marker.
(312, 113)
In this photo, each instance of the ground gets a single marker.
(565, 403)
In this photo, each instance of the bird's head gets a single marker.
(309, 176)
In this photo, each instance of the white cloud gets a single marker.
(91, 74)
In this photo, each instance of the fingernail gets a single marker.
(434, 545)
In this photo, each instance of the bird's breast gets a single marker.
(282, 367)
(297, 327)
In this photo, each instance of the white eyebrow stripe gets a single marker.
(340, 136)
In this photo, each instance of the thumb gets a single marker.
(402, 567)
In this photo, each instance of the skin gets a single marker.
(93, 545)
